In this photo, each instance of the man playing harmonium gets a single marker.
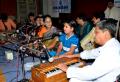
(106, 66)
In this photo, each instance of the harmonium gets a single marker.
(48, 72)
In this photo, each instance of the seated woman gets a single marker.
(47, 31)
(68, 40)
(84, 26)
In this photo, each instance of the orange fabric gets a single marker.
(42, 31)
(2, 77)
(9, 24)
(2, 28)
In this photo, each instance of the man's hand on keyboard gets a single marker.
(63, 67)
(68, 56)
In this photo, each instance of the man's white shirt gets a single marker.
(105, 67)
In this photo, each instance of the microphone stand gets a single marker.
(46, 50)
(22, 60)
(22, 53)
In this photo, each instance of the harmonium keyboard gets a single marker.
(48, 72)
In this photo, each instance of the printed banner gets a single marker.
(61, 6)
(54, 7)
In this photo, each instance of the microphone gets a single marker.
(19, 32)
(46, 50)
(51, 36)
(56, 34)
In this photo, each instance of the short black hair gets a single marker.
(109, 24)
(44, 17)
(111, 1)
(82, 16)
(37, 17)
(72, 23)
(99, 15)
(4, 16)
(31, 14)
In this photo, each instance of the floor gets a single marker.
(12, 68)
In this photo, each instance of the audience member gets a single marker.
(84, 26)
(112, 11)
(31, 17)
(97, 17)
(88, 42)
